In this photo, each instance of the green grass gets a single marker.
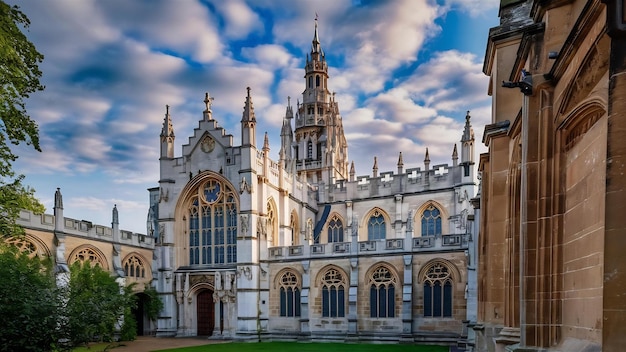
(307, 347)
(99, 347)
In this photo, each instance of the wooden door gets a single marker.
(206, 313)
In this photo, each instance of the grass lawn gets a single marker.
(307, 347)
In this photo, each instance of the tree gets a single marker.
(19, 77)
(29, 302)
(95, 305)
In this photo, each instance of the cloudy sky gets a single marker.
(404, 71)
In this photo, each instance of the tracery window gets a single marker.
(376, 226)
(87, 255)
(23, 245)
(335, 229)
(438, 292)
(333, 294)
(382, 293)
(213, 225)
(289, 295)
(317, 80)
(431, 221)
(134, 267)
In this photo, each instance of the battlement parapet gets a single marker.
(82, 228)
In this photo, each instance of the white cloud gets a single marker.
(239, 18)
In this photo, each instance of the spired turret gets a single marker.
(320, 149)
(167, 135)
(248, 123)
(467, 148)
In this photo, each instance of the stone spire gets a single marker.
(375, 168)
(58, 211)
(352, 172)
(208, 101)
(58, 199)
(167, 135)
(116, 216)
(455, 156)
(286, 134)
(427, 161)
(266, 144)
(400, 164)
(315, 44)
(467, 141)
(248, 123)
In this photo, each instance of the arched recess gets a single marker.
(371, 225)
(428, 208)
(294, 225)
(272, 223)
(511, 301)
(334, 229)
(385, 290)
(136, 267)
(29, 244)
(202, 296)
(288, 286)
(580, 120)
(87, 252)
(206, 196)
(454, 271)
(333, 284)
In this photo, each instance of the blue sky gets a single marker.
(404, 73)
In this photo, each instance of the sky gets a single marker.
(404, 72)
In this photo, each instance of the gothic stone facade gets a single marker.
(551, 271)
(127, 255)
(301, 248)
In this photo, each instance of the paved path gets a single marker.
(148, 343)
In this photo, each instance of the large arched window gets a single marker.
(213, 225)
(438, 291)
(376, 226)
(382, 293)
(289, 295)
(335, 229)
(22, 244)
(333, 294)
(431, 221)
(89, 254)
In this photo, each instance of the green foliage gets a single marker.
(19, 77)
(153, 305)
(128, 332)
(95, 304)
(29, 302)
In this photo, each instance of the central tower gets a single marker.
(320, 151)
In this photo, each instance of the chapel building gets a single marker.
(252, 248)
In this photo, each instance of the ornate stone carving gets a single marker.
(244, 271)
(245, 186)
(243, 224)
(208, 144)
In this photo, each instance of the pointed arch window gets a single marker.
(382, 293)
(213, 225)
(333, 294)
(134, 267)
(335, 229)
(289, 295)
(438, 292)
(90, 255)
(431, 221)
(309, 150)
(23, 245)
(376, 229)
(317, 80)
(310, 81)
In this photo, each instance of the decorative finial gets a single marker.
(167, 109)
(208, 101)
(248, 89)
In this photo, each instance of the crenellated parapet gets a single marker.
(83, 228)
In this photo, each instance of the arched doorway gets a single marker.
(205, 310)
(138, 313)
